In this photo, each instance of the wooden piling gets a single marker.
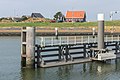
(60, 54)
(91, 50)
(66, 52)
(116, 47)
(38, 56)
(84, 49)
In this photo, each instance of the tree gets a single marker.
(24, 18)
(58, 16)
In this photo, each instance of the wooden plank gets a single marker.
(50, 55)
(60, 63)
(52, 60)
(80, 47)
(78, 57)
(46, 50)
(73, 53)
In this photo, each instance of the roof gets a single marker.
(37, 15)
(75, 14)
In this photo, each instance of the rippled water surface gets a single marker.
(10, 68)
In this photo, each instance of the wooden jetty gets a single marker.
(58, 51)
(78, 53)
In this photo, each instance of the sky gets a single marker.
(10, 8)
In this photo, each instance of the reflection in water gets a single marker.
(64, 72)
(33, 74)
(85, 71)
(28, 74)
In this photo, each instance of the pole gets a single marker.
(111, 16)
(93, 29)
(100, 31)
(56, 33)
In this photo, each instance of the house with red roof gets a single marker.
(75, 16)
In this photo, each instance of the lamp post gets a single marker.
(111, 18)
(111, 14)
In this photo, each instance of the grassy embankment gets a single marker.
(108, 24)
(47, 24)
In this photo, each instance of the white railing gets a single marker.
(111, 38)
(50, 41)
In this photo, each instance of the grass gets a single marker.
(112, 23)
(47, 24)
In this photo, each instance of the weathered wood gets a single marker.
(59, 53)
(91, 51)
(77, 61)
(84, 49)
(67, 48)
(78, 47)
(116, 47)
(66, 52)
(50, 55)
(74, 53)
(38, 56)
(63, 53)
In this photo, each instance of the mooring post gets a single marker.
(91, 51)
(66, 52)
(28, 47)
(84, 50)
(59, 55)
(100, 31)
(38, 56)
(116, 47)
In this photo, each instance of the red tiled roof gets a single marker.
(75, 14)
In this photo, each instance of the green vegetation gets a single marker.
(112, 23)
(59, 17)
(48, 24)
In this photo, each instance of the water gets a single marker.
(10, 68)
